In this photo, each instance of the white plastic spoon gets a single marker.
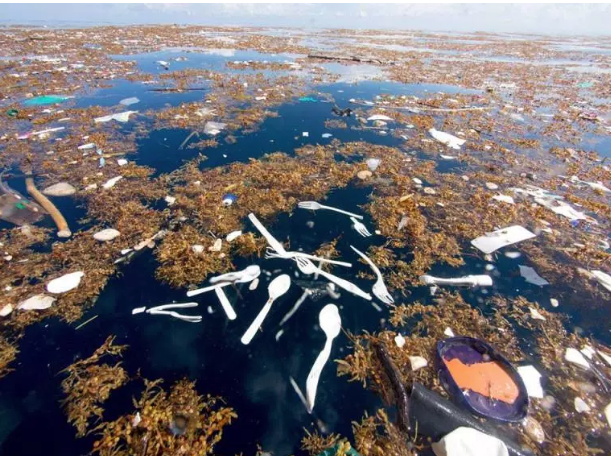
(225, 304)
(276, 288)
(331, 323)
(248, 274)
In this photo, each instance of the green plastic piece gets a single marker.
(12, 113)
(308, 100)
(333, 451)
(585, 85)
(20, 205)
(45, 100)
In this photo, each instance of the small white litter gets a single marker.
(417, 362)
(603, 278)
(513, 255)
(581, 406)
(447, 139)
(129, 101)
(491, 242)
(504, 199)
(379, 117)
(111, 182)
(399, 340)
(535, 314)
(216, 247)
(532, 380)
(86, 146)
(233, 236)
(6, 310)
(326, 135)
(170, 200)
(465, 441)
(106, 235)
(574, 356)
(254, 284)
(448, 157)
(531, 276)
(138, 310)
(38, 302)
(122, 162)
(554, 302)
(607, 413)
(119, 117)
(417, 181)
(214, 128)
(197, 249)
(59, 189)
(448, 332)
(305, 134)
(65, 283)
(491, 186)
(373, 163)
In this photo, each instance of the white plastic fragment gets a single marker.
(216, 247)
(399, 340)
(233, 236)
(326, 135)
(605, 357)
(65, 283)
(501, 238)
(373, 163)
(214, 128)
(574, 356)
(448, 157)
(603, 278)
(122, 162)
(532, 380)
(581, 406)
(417, 181)
(106, 235)
(6, 310)
(379, 117)
(504, 199)
(38, 302)
(513, 255)
(465, 441)
(448, 332)
(170, 200)
(417, 362)
(138, 310)
(554, 302)
(531, 276)
(254, 284)
(86, 146)
(535, 314)
(136, 419)
(447, 139)
(305, 134)
(607, 413)
(59, 189)
(119, 117)
(111, 182)
(491, 186)
(588, 351)
(197, 249)
(129, 101)
(470, 280)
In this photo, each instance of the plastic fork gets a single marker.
(360, 228)
(308, 268)
(270, 253)
(162, 310)
(314, 206)
(379, 288)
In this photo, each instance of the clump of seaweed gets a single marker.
(8, 353)
(180, 423)
(88, 385)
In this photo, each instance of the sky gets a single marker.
(565, 19)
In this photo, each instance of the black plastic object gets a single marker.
(470, 351)
(435, 417)
(341, 112)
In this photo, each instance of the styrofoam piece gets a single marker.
(65, 283)
(399, 340)
(531, 276)
(38, 302)
(603, 278)
(447, 139)
(491, 242)
(532, 380)
(106, 235)
(574, 356)
(119, 117)
(111, 182)
(417, 362)
(379, 117)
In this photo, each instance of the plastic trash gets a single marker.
(45, 100)
(532, 380)
(40, 133)
(65, 283)
(417, 362)
(380, 117)
(308, 100)
(214, 128)
(531, 276)
(447, 139)
(59, 189)
(16, 208)
(331, 324)
(314, 206)
(233, 236)
(466, 441)
(467, 281)
(379, 288)
(360, 228)
(111, 182)
(491, 242)
(38, 302)
(576, 357)
(581, 406)
(229, 199)
(603, 278)
(341, 112)
(326, 135)
(129, 101)
(12, 113)
(164, 310)
(6, 310)
(106, 235)
(373, 163)
(119, 117)
(585, 85)
(504, 199)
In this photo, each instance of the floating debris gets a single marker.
(59, 189)
(65, 283)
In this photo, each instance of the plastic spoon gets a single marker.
(276, 288)
(331, 323)
(225, 304)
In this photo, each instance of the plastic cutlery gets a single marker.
(271, 240)
(379, 288)
(467, 281)
(269, 253)
(163, 310)
(245, 275)
(314, 206)
(307, 267)
(225, 304)
(277, 287)
(331, 323)
(360, 228)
